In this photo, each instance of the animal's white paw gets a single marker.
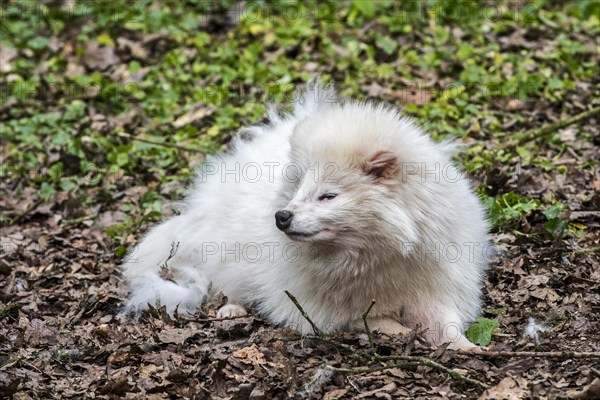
(391, 327)
(465, 345)
(231, 310)
(384, 325)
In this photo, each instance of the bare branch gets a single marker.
(315, 329)
(369, 333)
(412, 361)
(534, 134)
(534, 354)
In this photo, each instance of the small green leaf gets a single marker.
(105, 39)
(120, 251)
(555, 83)
(38, 43)
(556, 225)
(46, 191)
(122, 159)
(387, 44)
(55, 172)
(75, 111)
(67, 185)
(481, 331)
(366, 8)
(554, 210)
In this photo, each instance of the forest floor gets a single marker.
(107, 107)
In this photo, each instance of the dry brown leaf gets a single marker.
(390, 387)
(99, 57)
(250, 355)
(175, 335)
(8, 54)
(38, 333)
(335, 394)
(506, 389)
(136, 49)
(591, 391)
(193, 115)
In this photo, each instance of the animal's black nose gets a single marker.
(283, 219)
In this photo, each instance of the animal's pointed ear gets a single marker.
(382, 165)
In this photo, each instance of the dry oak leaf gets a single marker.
(250, 355)
(507, 389)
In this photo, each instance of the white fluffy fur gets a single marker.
(389, 235)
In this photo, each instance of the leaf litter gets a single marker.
(61, 332)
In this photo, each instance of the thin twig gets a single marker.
(367, 370)
(165, 272)
(76, 221)
(536, 133)
(586, 251)
(172, 252)
(411, 361)
(24, 213)
(223, 318)
(533, 354)
(369, 333)
(354, 353)
(315, 329)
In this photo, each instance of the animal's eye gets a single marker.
(327, 196)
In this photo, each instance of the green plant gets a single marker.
(482, 330)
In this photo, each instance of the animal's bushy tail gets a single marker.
(160, 273)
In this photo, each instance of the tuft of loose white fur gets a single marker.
(533, 329)
(314, 389)
(379, 209)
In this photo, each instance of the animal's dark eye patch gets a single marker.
(327, 196)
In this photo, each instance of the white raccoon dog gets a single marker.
(339, 203)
